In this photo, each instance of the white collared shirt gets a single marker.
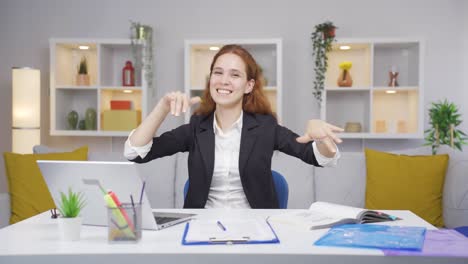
(226, 189)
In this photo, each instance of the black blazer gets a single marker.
(261, 135)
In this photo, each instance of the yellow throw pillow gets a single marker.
(400, 182)
(29, 194)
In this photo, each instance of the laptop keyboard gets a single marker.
(163, 219)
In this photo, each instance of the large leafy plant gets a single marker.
(71, 204)
(444, 119)
(322, 39)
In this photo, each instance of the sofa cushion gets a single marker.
(300, 178)
(180, 179)
(455, 198)
(159, 175)
(344, 184)
(401, 182)
(29, 194)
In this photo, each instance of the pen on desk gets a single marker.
(221, 225)
(142, 190)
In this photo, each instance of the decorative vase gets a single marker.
(81, 125)
(128, 74)
(90, 119)
(82, 80)
(70, 228)
(345, 80)
(72, 120)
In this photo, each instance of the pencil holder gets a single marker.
(124, 223)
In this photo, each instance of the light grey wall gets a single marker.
(464, 87)
(26, 26)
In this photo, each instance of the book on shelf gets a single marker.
(325, 215)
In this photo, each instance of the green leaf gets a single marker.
(70, 205)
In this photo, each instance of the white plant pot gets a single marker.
(70, 228)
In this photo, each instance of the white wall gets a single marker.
(26, 26)
(464, 87)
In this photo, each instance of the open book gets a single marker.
(324, 215)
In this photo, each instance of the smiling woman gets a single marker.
(234, 72)
(230, 137)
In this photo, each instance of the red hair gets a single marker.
(254, 102)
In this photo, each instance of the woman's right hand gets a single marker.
(177, 102)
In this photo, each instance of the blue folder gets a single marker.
(227, 240)
(374, 236)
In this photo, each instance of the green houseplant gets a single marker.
(82, 78)
(322, 39)
(141, 37)
(444, 119)
(70, 206)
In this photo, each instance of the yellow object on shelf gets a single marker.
(120, 120)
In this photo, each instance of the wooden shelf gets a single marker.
(383, 111)
(106, 58)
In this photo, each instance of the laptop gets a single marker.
(123, 178)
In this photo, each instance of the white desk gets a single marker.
(36, 240)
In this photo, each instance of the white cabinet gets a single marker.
(105, 60)
(267, 52)
(373, 103)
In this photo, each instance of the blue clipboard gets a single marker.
(215, 241)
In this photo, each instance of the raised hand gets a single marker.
(177, 102)
(322, 132)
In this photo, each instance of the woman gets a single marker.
(231, 137)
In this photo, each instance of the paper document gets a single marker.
(229, 231)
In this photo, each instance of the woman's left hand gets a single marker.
(321, 131)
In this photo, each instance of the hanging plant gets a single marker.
(444, 119)
(322, 39)
(142, 36)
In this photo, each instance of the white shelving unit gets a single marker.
(106, 58)
(267, 53)
(381, 110)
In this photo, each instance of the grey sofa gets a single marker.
(344, 184)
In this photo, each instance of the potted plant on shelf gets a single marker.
(82, 78)
(322, 39)
(444, 119)
(70, 220)
(141, 37)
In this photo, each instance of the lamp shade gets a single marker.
(26, 101)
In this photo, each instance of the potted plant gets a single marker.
(70, 206)
(141, 37)
(82, 78)
(444, 119)
(322, 39)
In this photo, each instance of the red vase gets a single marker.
(128, 74)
